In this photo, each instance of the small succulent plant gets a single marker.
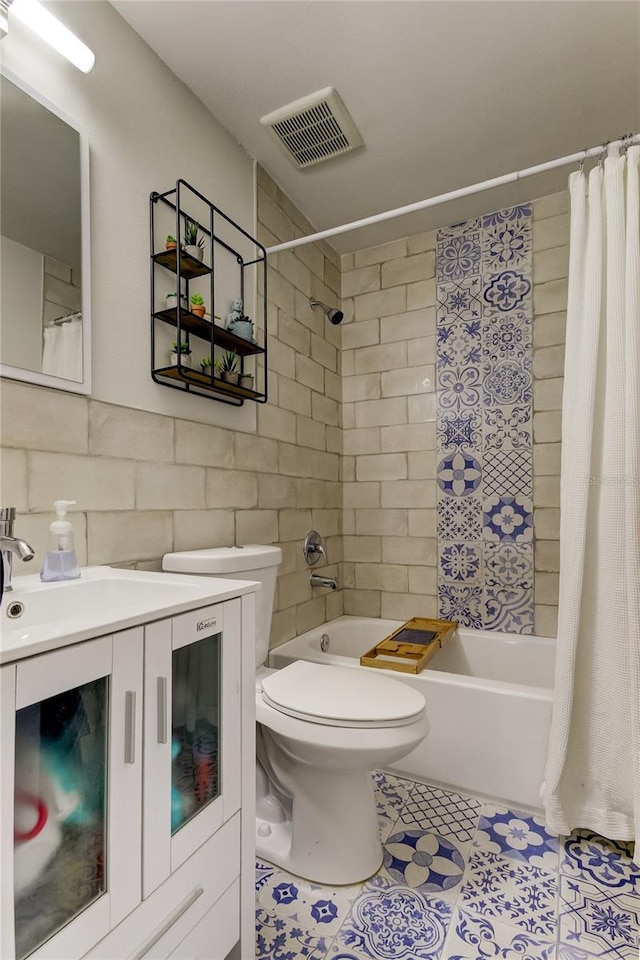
(197, 300)
(229, 361)
(191, 231)
(181, 347)
(205, 363)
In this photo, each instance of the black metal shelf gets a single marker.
(205, 330)
(181, 201)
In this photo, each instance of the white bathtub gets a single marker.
(488, 701)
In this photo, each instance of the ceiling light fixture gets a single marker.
(49, 28)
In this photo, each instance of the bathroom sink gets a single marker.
(36, 616)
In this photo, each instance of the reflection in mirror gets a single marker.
(43, 317)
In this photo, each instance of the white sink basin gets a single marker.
(37, 616)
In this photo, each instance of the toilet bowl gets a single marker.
(322, 729)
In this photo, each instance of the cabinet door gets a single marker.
(71, 745)
(192, 745)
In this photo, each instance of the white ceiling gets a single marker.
(444, 93)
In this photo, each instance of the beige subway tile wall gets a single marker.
(389, 412)
(147, 484)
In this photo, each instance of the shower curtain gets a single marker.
(593, 769)
(62, 352)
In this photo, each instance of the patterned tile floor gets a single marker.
(460, 879)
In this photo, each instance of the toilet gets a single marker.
(321, 730)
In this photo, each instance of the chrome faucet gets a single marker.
(10, 545)
(317, 581)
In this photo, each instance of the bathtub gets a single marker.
(488, 701)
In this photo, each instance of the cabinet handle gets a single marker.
(130, 727)
(162, 709)
(151, 941)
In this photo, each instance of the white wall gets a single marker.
(145, 130)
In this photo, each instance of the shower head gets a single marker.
(335, 316)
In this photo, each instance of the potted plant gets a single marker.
(197, 304)
(193, 244)
(229, 367)
(182, 353)
(205, 365)
(170, 243)
(171, 301)
(246, 380)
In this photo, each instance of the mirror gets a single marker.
(44, 243)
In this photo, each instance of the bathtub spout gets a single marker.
(317, 581)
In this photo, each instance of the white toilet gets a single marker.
(322, 729)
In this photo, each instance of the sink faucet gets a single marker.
(10, 545)
(317, 581)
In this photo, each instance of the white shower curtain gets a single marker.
(62, 352)
(593, 770)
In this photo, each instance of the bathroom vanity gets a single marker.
(127, 746)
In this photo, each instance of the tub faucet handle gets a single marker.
(313, 548)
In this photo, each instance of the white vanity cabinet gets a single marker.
(122, 792)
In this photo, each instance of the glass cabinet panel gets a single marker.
(60, 811)
(195, 744)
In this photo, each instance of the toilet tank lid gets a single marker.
(333, 694)
(220, 560)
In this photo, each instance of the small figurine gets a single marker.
(238, 323)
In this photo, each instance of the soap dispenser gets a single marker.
(60, 562)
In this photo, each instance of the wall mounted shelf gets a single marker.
(211, 338)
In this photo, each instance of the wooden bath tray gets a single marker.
(410, 647)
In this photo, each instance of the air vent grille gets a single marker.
(314, 129)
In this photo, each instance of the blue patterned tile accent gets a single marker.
(459, 430)
(506, 245)
(459, 518)
(460, 562)
(459, 474)
(458, 300)
(463, 604)
(508, 472)
(505, 292)
(390, 794)
(507, 428)
(394, 922)
(509, 564)
(510, 891)
(517, 836)
(601, 923)
(506, 382)
(458, 253)
(484, 377)
(474, 937)
(279, 939)
(459, 386)
(507, 518)
(423, 860)
(586, 856)
(317, 909)
(509, 609)
(507, 337)
(263, 872)
(442, 811)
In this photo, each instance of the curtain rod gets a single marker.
(457, 194)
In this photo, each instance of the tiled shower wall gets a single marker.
(484, 428)
(147, 484)
(389, 415)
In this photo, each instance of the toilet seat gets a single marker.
(341, 697)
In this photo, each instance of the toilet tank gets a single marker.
(250, 562)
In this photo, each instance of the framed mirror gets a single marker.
(45, 328)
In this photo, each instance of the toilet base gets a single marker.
(330, 836)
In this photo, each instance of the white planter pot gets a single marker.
(194, 251)
(185, 359)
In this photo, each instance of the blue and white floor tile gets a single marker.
(462, 879)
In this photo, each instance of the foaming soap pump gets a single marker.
(60, 562)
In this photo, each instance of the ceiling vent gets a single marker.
(314, 129)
